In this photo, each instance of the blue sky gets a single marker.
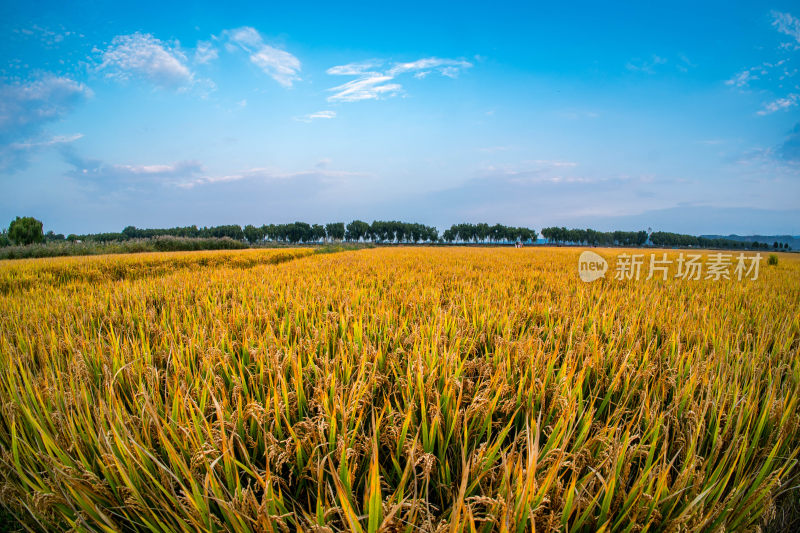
(680, 117)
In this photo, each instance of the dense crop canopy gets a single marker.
(406, 389)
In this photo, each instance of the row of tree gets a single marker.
(232, 231)
(28, 230)
(485, 233)
(594, 238)
(295, 232)
(391, 231)
(666, 239)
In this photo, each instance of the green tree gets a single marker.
(335, 230)
(357, 230)
(253, 234)
(317, 232)
(25, 230)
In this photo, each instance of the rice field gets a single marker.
(393, 389)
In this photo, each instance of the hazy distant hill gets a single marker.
(791, 240)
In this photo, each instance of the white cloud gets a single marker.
(26, 107)
(536, 171)
(25, 110)
(685, 64)
(47, 36)
(786, 24)
(450, 72)
(245, 36)
(318, 114)
(370, 86)
(15, 156)
(143, 55)
(446, 67)
(119, 175)
(190, 174)
(320, 176)
(174, 169)
(775, 76)
(742, 79)
(279, 64)
(354, 69)
(787, 102)
(205, 52)
(646, 66)
(53, 141)
(764, 70)
(372, 83)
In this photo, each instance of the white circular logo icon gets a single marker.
(591, 266)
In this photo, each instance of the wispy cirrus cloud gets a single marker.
(647, 66)
(780, 104)
(144, 56)
(205, 52)
(373, 80)
(369, 86)
(685, 63)
(776, 76)
(422, 67)
(27, 108)
(354, 69)
(278, 64)
(656, 63)
(786, 24)
(535, 171)
(52, 141)
(327, 114)
(188, 174)
(743, 78)
(113, 176)
(747, 76)
(777, 162)
(47, 36)
(320, 175)
(17, 155)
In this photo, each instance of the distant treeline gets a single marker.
(382, 231)
(663, 239)
(299, 232)
(295, 232)
(595, 238)
(671, 240)
(486, 233)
